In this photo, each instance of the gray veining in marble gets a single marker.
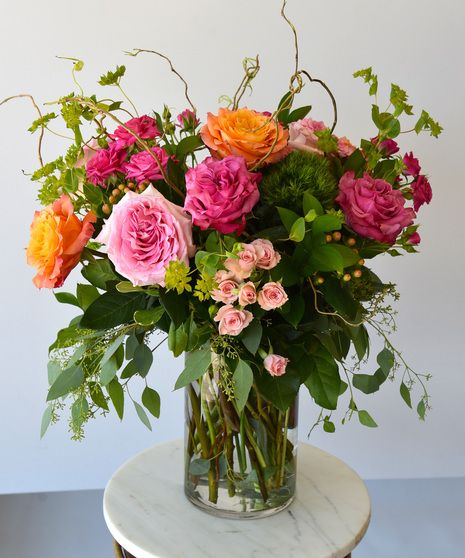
(146, 511)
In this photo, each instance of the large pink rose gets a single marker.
(142, 166)
(105, 163)
(144, 126)
(232, 320)
(220, 193)
(373, 208)
(302, 135)
(144, 233)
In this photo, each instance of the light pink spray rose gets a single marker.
(247, 294)
(144, 126)
(142, 166)
(144, 233)
(302, 135)
(220, 193)
(244, 264)
(227, 291)
(373, 208)
(267, 257)
(345, 147)
(272, 296)
(105, 163)
(232, 320)
(275, 364)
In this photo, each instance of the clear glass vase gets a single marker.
(237, 464)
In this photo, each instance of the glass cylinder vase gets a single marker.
(238, 463)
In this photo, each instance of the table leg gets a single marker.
(120, 552)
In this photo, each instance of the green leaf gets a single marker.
(326, 223)
(284, 107)
(297, 232)
(421, 409)
(41, 122)
(298, 114)
(86, 294)
(108, 371)
(97, 396)
(385, 360)
(66, 298)
(151, 401)
(175, 306)
(360, 339)
(129, 370)
(131, 343)
(116, 393)
(349, 256)
(281, 391)
(199, 467)
(54, 370)
(285, 272)
(365, 418)
(66, 382)
(93, 194)
(324, 382)
(143, 359)
(142, 415)
(329, 426)
(128, 287)
(112, 309)
(310, 202)
(46, 420)
(188, 145)
(111, 349)
(355, 162)
(367, 383)
(252, 336)
(288, 217)
(325, 258)
(293, 311)
(112, 78)
(405, 394)
(197, 363)
(243, 380)
(79, 410)
(149, 317)
(99, 273)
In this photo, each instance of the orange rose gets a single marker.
(245, 133)
(58, 237)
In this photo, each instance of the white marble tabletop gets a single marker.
(147, 513)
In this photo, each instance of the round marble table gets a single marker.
(148, 515)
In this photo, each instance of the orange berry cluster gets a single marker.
(118, 193)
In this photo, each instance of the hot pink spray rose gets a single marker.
(142, 166)
(144, 126)
(105, 163)
(144, 233)
(302, 135)
(267, 257)
(272, 296)
(373, 208)
(232, 320)
(422, 192)
(275, 364)
(412, 165)
(220, 193)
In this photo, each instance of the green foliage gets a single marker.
(324, 382)
(285, 183)
(368, 77)
(197, 363)
(42, 122)
(112, 78)
(243, 380)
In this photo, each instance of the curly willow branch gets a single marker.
(41, 136)
(137, 51)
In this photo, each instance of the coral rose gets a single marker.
(105, 163)
(245, 133)
(231, 320)
(144, 126)
(58, 237)
(272, 296)
(142, 166)
(144, 234)
(219, 194)
(275, 364)
(373, 208)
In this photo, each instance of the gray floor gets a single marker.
(419, 518)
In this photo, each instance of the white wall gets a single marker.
(418, 44)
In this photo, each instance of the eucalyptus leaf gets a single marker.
(151, 401)
(366, 419)
(66, 382)
(46, 420)
(197, 363)
(143, 359)
(199, 467)
(243, 380)
(142, 415)
(116, 393)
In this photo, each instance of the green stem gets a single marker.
(284, 446)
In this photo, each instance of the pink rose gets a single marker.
(302, 135)
(388, 147)
(422, 192)
(275, 364)
(247, 294)
(272, 296)
(414, 239)
(267, 257)
(142, 166)
(144, 126)
(227, 291)
(412, 165)
(344, 147)
(105, 163)
(231, 320)
(373, 208)
(244, 264)
(144, 233)
(220, 193)
(187, 120)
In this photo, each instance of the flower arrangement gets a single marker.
(244, 241)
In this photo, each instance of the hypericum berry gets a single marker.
(328, 238)
(346, 277)
(115, 192)
(351, 241)
(361, 261)
(337, 236)
(121, 187)
(320, 280)
(357, 273)
(127, 189)
(112, 199)
(106, 209)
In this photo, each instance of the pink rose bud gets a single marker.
(244, 264)
(414, 239)
(388, 147)
(344, 147)
(275, 364)
(187, 120)
(232, 320)
(422, 192)
(302, 135)
(247, 294)
(272, 296)
(227, 291)
(412, 165)
(267, 257)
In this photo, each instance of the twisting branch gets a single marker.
(41, 135)
(137, 51)
(294, 32)
(328, 90)
(251, 68)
